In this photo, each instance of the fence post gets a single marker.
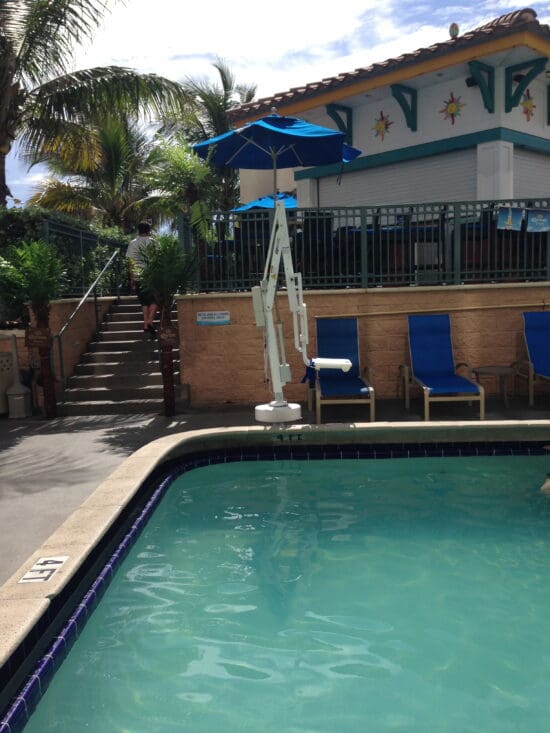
(364, 250)
(456, 244)
(96, 310)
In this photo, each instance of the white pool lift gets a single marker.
(263, 300)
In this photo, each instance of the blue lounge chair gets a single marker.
(536, 328)
(337, 339)
(433, 368)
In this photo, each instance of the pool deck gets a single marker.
(63, 481)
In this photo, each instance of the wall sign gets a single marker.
(213, 318)
(44, 569)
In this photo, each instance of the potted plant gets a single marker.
(167, 270)
(33, 273)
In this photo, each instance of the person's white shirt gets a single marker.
(135, 250)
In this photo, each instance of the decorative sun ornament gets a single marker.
(381, 125)
(452, 108)
(528, 105)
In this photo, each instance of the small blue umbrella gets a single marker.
(275, 142)
(268, 202)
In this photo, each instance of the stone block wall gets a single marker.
(225, 364)
(75, 339)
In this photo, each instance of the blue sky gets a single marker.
(274, 48)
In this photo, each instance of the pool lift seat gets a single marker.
(264, 304)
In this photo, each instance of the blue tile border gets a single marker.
(16, 716)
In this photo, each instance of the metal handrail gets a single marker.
(93, 287)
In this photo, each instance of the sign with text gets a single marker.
(38, 337)
(538, 220)
(213, 318)
(44, 569)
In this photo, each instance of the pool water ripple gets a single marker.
(334, 596)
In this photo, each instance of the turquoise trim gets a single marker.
(512, 97)
(334, 111)
(438, 147)
(484, 76)
(407, 98)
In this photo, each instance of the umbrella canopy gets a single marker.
(277, 142)
(268, 202)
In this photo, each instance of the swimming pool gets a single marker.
(328, 648)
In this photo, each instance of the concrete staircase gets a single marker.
(120, 371)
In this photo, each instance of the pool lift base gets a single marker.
(263, 301)
(275, 412)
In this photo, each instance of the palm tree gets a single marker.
(33, 274)
(102, 173)
(166, 271)
(42, 102)
(209, 116)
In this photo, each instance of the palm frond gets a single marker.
(52, 29)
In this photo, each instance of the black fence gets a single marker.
(384, 246)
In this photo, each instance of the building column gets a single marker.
(495, 171)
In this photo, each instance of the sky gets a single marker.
(276, 46)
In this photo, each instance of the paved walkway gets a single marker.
(49, 467)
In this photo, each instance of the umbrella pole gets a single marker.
(274, 158)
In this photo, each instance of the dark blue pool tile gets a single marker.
(70, 632)
(32, 692)
(17, 716)
(45, 668)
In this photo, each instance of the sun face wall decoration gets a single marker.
(381, 125)
(528, 105)
(452, 108)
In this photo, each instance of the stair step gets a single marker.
(120, 394)
(123, 355)
(110, 380)
(109, 407)
(121, 369)
(120, 373)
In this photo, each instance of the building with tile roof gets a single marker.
(467, 118)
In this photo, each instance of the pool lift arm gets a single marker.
(263, 300)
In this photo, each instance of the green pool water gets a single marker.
(324, 596)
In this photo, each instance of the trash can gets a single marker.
(6, 379)
(19, 400)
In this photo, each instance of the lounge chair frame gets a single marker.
(527, 369)
(408, 378)
(364, 376)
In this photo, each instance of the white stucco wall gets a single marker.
(449, 177)
(531, 174)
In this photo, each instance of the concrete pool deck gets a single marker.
(64, 482)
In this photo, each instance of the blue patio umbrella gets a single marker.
(268, 202)
(274, 142)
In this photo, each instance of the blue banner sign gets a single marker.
(509, 218)
(538, 220)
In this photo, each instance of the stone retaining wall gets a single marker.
(225, 364)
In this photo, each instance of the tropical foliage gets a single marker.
(208, 116)
(180, 183)
(33, 273)
(101, 177)
(167, 270)
(43, 101)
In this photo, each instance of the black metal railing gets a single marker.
(382, 246)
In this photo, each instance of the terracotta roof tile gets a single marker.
(524, 19)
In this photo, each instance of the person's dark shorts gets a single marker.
(144, 297)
